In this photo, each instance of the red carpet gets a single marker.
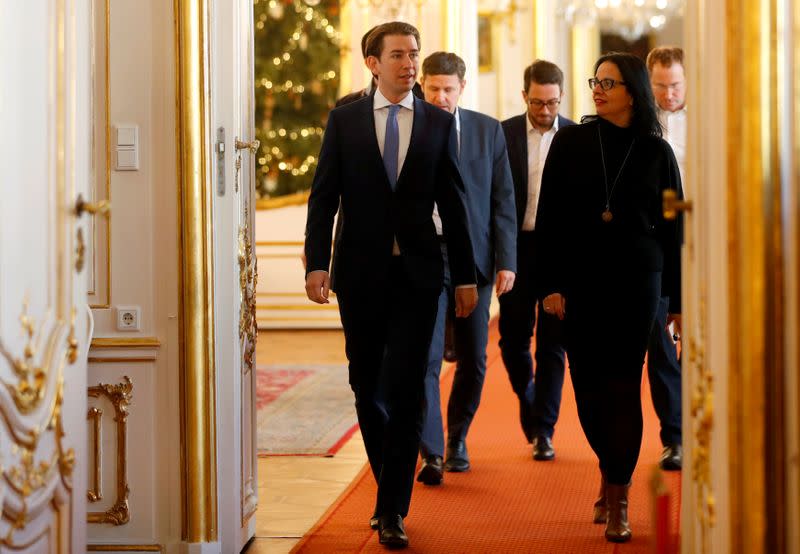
(508, 503)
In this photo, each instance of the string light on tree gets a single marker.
(298, 50)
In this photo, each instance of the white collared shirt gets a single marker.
(538, 147)
(437, 221)
(674, 124)
(405, 120)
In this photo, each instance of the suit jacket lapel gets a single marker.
(465, 143)
(367, 121)
(417, 127)
(522, 150)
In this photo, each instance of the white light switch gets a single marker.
(126, 136)
(127, 148)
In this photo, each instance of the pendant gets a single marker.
(607, 216)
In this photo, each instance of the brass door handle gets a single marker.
(103, 207)
(671, 205)
(252, 145)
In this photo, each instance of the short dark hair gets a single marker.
(364, 42)
(664, 55)
(543, 72)
(637, 82)
(444, 63)
(375, 38)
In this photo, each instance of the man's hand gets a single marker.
(504, 281)
(554, 304)
(675, 318)
(318, 284)
(466, 300)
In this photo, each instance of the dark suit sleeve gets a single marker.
(504, 216)
(670, 235)
(451, 201)
(323, 201)
(551, 218)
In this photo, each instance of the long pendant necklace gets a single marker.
(607, 215)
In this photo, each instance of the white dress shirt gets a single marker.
(674, 124)
(538, 147)
(437, 221)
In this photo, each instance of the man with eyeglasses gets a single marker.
(528, 137)
(668, 80)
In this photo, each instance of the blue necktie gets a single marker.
(391, 145)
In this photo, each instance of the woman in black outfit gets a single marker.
(610, 255)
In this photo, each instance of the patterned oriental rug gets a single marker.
(303, 410)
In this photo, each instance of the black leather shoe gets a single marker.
(431, 472)
(672, 458)
(391, 531)
(457, 457)
(543, 449)
(373, 522)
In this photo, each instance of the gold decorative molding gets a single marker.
(120, 359)
(296, 199)
(248, 280)
(126, 343)
(279, 243)
(198, 372)
(31, 369)
(120, 396)
(95, 493)
(298, 307)
(124, 548)
(102, 85)
(702, 422)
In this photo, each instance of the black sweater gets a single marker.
(575, 239)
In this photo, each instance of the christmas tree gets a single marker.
(297, 57)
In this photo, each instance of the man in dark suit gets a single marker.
(483, 164)
(388, 158)
(528, 137)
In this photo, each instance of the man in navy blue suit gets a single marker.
(528, 137)
(388, 157)
(483, 164)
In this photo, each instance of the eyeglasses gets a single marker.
(605, 84)
(536, 103)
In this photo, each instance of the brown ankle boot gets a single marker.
(600, 508)
(617, 527)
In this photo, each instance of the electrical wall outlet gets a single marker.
(128, 318)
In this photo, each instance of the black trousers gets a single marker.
(607, 325)
(664, 373)
(539, 392)
(387, 336)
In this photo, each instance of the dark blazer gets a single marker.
(483, 164)
(350, 169)
(517, 140)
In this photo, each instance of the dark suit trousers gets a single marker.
(539, 397)
(664, 373)
(471, 336)
(387, 337)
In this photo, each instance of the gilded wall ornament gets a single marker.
(120, 396)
